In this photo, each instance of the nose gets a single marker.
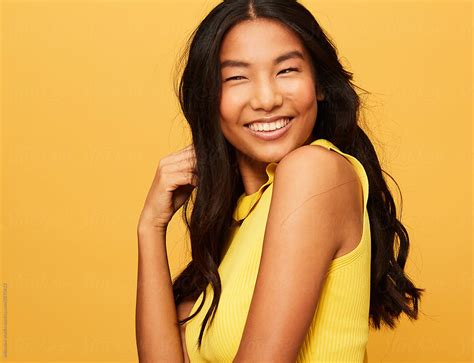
(266, 95)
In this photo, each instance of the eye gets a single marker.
(288, 69)
(231, 78)
(237, 78)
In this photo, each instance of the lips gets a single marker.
(286, 120)
(269, 119)
(271, 135)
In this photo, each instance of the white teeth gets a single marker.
(269, 126)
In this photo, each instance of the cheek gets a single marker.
(303, 94)
(230, 104)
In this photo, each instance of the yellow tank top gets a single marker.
(340, 327)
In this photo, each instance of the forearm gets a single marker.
(157, 332)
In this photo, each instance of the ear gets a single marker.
(319, 95)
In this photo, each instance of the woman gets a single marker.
(293, 226)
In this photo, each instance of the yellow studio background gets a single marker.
(88, 110)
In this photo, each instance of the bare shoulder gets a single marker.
(327, 183)
(316, 167)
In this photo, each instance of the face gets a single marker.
(266, 72)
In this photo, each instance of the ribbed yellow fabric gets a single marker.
(339, 330)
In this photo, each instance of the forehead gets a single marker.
(258, 40)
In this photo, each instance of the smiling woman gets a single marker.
(293, 228)
(268, 94)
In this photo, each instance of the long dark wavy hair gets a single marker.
(220, 183)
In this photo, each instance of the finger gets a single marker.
(186, 178)
(194, 180)
(175, 158)
(183, 165)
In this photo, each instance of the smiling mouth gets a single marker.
(277, 131)
(269, 126)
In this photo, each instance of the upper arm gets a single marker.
(183, 311)
(305, 228)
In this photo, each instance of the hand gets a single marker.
(174, 181)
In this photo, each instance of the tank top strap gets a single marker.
(246, 203)
(354, 161)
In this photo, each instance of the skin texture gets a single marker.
(265, 89)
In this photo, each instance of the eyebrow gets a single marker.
(279, 59)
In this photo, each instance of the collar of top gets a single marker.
(245, 203)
